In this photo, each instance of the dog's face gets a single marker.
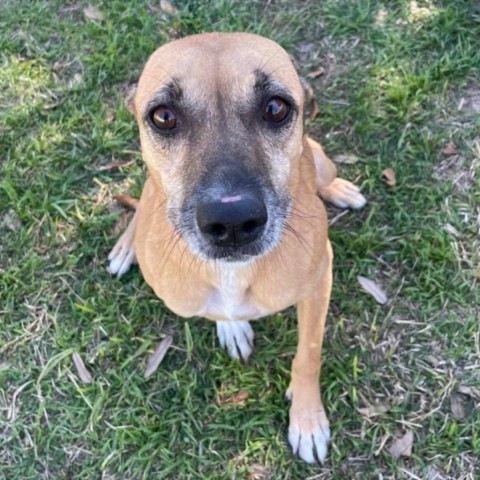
(221, 125)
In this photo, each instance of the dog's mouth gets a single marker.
(237, 227)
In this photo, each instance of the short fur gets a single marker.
(218, 80)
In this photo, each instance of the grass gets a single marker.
(401, 82)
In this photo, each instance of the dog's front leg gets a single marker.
(122, 256)
(309, 431)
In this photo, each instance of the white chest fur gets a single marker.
(231, 298)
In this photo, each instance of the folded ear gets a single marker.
(326, 171)
(130, 98)
(310, 108)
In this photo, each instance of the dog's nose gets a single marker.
(232, 221)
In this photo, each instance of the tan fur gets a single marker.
(298, 271)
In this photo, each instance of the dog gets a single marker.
(230, 225)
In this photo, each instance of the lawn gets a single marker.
(398, 86)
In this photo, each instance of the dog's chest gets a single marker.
(231, 298)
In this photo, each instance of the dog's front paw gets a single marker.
(236, 337)
(309, 432)
(343, 194)
(122, 256)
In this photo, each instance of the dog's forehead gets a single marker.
(203, 65)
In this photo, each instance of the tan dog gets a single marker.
(229, 225)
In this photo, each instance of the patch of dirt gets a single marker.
(469, 101)
(461, 168)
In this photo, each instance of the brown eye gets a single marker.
(163, 118)
(276, 110)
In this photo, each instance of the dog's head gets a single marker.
(221, 125)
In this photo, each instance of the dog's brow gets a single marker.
(265, 83)
(263, 80)
(168, 93)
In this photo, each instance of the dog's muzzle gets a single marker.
(232, 221)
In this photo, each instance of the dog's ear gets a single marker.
(130, 98)
(310, 108)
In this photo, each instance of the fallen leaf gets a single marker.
(451, 229)
(373, 289)
(238, 399)
(374, 410)
(456, 407)
(126, 200)
(402, 447)
(389, 176)
(167, 7)
(82, 371)
(115, 164)
(450, 149)
(11, 220)
(316, 73)
(93, 13)
(157, 356)
(346, 158)
(470, 391)
(434, 474)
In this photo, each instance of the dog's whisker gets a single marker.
(229, 215)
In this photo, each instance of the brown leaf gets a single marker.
(157, 356)
(238, 399)
(346, 158)
(450, 149)
(389, 176)
(167, 7)
(82, 371)
(402, 447)
(93, 13)
(374, 410)
(373, 289)
(126, 200)
(456, 406)
(316, 73)
(115, 164)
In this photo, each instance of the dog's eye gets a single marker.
(276, 110)
(163, 118)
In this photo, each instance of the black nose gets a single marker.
(232, 223)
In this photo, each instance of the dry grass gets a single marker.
(400, 83)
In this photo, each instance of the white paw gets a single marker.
(343, 194)
(309, 434)
(122, 256)
(236, 337)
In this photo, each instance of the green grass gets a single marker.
(400, 82)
